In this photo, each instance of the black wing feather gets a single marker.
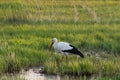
(74, 51)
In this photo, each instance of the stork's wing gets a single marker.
(74, 51)
(64, 46)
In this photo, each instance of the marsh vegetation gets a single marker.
(27, 27)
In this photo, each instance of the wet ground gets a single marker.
(34, 74)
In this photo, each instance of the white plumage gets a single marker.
(60, 46)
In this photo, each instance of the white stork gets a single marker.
(65, 48)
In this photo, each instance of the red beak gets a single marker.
(50, 46)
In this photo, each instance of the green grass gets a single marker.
(85, 66)
(27, 28)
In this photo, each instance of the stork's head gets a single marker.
(53, 41)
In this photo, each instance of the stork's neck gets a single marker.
(55, 44)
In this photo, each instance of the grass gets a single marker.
(27, 27)
(85, 66)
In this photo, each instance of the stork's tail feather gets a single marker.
(76, 51)
(80, 54)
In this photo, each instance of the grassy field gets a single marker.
(27, 28)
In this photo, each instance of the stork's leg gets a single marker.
(66, 58)
(62, 58)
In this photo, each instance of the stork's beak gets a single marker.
(50, 46)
